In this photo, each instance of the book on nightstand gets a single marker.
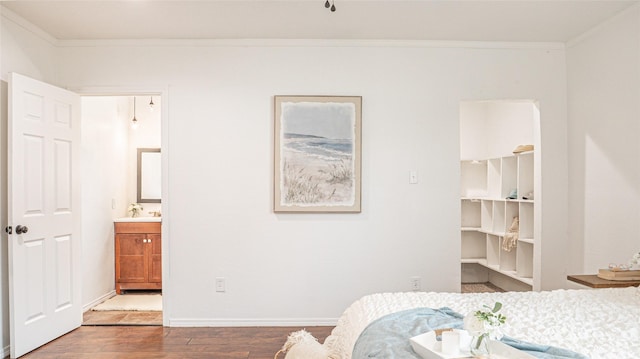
(619, 275)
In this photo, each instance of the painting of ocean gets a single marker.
(317, 155)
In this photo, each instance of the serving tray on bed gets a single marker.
(428, 347)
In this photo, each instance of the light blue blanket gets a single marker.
(388, 337)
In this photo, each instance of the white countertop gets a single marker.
(138, 219)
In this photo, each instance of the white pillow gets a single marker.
(302, 345)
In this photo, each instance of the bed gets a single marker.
(602, 323)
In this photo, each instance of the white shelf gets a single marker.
(499, 234)
(493, 177)
(496, 268)
(481, 261)
(509, 175)
(489, 173)
(496, 199)
(512, 274)
(473, 244)
(470, 216)
(473, 179)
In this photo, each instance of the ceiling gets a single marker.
(471, 20)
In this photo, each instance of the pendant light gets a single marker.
(330, 5)
(134, 121)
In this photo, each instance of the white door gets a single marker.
(44, 213)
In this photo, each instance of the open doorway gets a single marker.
(500, 195)
(122, 282)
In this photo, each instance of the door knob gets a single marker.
(22, 229)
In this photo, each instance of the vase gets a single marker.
(480, 346)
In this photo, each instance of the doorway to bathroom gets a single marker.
(122, 209)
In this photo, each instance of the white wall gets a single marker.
(26, 49)
(492, 129)
(147, 135)
(604, 151)
(511, 123)
(306, 268)
(104, 151)
(473, 130)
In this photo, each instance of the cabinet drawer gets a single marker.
(137, 227)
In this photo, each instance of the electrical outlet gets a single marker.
(221, 285)
(415, 284)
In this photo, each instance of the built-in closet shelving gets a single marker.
(486, 212)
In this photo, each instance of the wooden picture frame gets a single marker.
(317, 154)
(149, 174)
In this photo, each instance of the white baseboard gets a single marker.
(6, 351)
(270, 322)
(97, 301)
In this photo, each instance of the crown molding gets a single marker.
(29, 26)
(591, 32)
(308, 43)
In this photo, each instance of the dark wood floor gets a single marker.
(147, 342)
(152, 342)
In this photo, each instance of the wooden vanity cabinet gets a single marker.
(138, 255)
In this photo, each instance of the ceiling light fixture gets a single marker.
(151, 103)
(134, 122)
(330, 5)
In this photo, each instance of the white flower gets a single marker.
(485, 322)
(134, 208)
(473, 325)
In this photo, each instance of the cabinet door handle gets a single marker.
(144, 240)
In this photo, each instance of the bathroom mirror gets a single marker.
(149, 175)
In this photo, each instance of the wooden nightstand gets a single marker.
(593, 281)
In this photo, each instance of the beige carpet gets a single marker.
(128, 302)
(480, 288)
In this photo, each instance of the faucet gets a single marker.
(155, 213)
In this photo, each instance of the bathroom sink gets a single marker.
(138, 219)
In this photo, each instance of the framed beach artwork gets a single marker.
(317, 153)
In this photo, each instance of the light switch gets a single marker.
(413, 177)
(221, 285)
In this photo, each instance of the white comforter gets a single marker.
(602, 323)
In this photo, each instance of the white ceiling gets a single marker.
(471, 20)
